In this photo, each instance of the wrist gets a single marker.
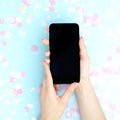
(46, 118)
(43, 118)
(82, 84)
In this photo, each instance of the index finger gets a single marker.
(45, 41)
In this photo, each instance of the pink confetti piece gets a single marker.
(26, 2)
(19, 91)
(23, 74)
(19, 24)
(40, 86)
(34, 48)
(52, 2)
(112, 106)
(2, 33)
(16, 92)
(51, 8)
(107, 70)
(80, 10)
(85, 19)
(77, 111)
(3, 43)
(118, 49)
(94, 20)
(12, 79)
(109, 58)
(2, 59)
(12, 20)
(117, 72)
(2, 21)
(71, 110)
(94, 73)
(26, 109)
(47, 28)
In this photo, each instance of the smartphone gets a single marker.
(64, 52)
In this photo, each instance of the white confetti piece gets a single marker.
(33, 118)
(46, 9)
(116, 116)
(9, 50)
(71, 9)
(8, 35)
(32, 89)
(37, 5)
(18, 86)
(8, 118)
(14, 73)
(5, 64)
(1, 83)
(58, 16)
(7, 102)
(30, 105)
(29, 21)
(92, 3)
(12, 112)
(19, 19)
(73, 1)
(110, 13)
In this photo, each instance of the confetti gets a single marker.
(24, 23)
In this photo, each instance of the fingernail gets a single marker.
(42, 39)
(82, 38)
(47, 61)
(76, 84)
(43, 61)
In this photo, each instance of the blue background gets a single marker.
(23, 23)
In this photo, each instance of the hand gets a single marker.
(84, 60)
(52, 105)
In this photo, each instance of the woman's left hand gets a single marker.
(52, 105)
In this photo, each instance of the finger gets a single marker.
(45, 41)
(68, 92)
(57, 87)
(47, 61)
(48, 78)
(84, 60)
(47, 53)
(83, 50)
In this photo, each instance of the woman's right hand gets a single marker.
(84, 60)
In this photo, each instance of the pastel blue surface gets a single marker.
(23, 23)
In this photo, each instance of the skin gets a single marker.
(52, 105)
(87, 101)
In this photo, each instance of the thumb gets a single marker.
(83, 50)
(47, 78)
(68, 92)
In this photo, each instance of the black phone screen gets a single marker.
(64, 53)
